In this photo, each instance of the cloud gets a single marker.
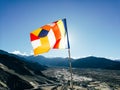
(31, 52)
(19, 53)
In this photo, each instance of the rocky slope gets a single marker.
(18, 74)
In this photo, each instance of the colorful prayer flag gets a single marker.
(50, 36)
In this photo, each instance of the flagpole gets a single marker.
(70, 67)
(69, 54)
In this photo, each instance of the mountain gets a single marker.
(25, 72)
(11, 61)
(16, 73)
(96, 62)
(58, 61)
(117, 60)
(88, 62)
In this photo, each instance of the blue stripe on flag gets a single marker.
(43, 33)
(65, 25)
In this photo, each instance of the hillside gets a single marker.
(18, 74)
(96, 62)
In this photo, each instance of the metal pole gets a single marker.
(71, 81)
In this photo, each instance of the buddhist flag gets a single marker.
(50, 36)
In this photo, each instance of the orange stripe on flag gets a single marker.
(56, 32)
(46, 27)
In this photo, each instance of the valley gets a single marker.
(87, 79)
(26, 73)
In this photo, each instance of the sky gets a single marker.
(93, 25)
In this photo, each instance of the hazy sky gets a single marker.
(93, 25)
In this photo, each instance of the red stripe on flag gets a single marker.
(33, 37)
(56, 46)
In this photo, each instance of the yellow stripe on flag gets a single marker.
(62, 30)
(45, 46)
(61, 27)
(37, 31)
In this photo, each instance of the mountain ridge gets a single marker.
(96, 62)
(86, 62)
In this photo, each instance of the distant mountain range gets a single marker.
(88, 62)
(58, 61)
(96, 62)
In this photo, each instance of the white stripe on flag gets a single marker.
(51, 38)
(36, 43)
(63, 42)
(61, 27)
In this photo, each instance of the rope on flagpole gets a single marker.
(70, 67)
